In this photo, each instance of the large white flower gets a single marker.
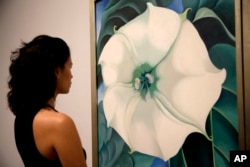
(160, 83)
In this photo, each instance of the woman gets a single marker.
(39, 71)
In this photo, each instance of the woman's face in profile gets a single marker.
(64, 77)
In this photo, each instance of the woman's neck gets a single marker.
(52, 102)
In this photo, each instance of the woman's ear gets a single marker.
(57, 72)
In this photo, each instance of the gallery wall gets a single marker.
(21, 20)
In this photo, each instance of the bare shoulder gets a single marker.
(53, 120)
(56, 136)
(64, 123)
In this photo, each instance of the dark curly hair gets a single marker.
(32, 73)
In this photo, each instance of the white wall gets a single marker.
(25, 19)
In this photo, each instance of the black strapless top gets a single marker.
(26, 144)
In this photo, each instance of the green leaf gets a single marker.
(223, 56)
(223, 8)
(178, 160)
(225, 138)
(205, 13)
(110, 143)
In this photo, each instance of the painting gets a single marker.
(166, 83)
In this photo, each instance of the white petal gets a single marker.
(152, 33)
(162, 134)
(194, 97)
(145, 39)
(118, 99)
(143, 125)
(189, 55)
(189, 79)
(115, 57)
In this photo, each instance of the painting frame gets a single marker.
(243, 78)
(242, 16)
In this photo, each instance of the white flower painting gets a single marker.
(158, 80)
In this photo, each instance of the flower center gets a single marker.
(143, 79)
